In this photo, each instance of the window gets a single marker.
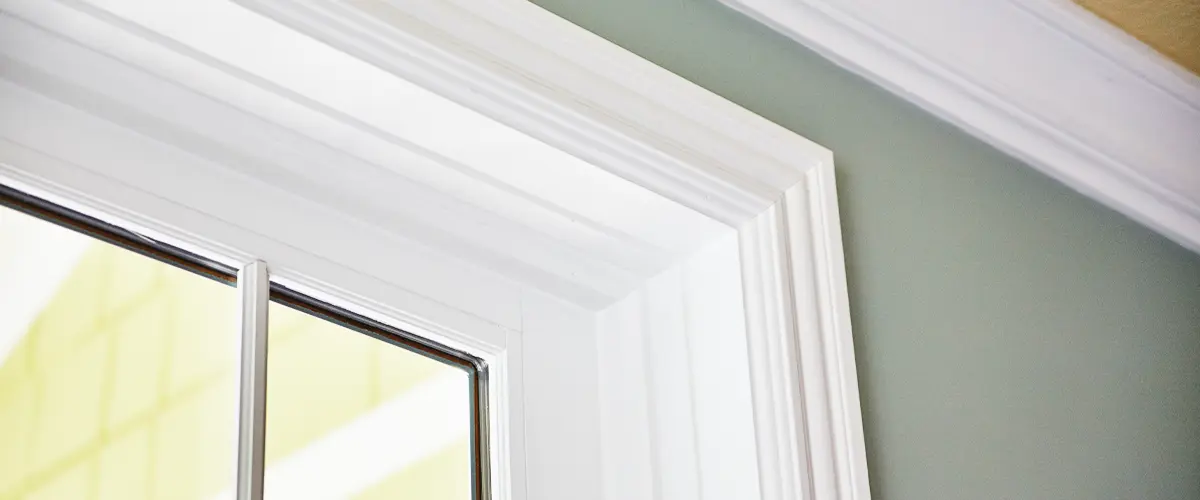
(119, 379)
(652, 274)
(117, 370)
(353, 413)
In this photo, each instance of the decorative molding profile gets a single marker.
(802, 357)
(650, 222)
(524, 66)
(1042, 80)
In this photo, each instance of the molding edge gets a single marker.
(803, 375)
(1042, 81)
(581, 94)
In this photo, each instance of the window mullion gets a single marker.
(254, 292)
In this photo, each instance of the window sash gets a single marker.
(255, 291)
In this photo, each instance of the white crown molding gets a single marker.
(150, 120)
(1042, 80)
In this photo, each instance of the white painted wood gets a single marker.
(648, 432)
(775, 360)
(1043, 80)
(712, 288)
(669, 384)
(271, 122)
(130, 163)
(627, 448)
(562, 413)
(508, 472)
(675, 384)
(807, 413)
(589, 239)
(733, 373)
(519, 64)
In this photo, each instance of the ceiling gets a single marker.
(1172, 27)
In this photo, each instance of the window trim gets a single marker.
(556, 431)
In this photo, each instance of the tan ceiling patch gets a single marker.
(1171, 27)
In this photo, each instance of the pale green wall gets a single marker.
(1015, 340)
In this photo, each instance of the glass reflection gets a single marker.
(350, 416)
(116, 371)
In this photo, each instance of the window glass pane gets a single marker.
(351, 416)
(117, 371)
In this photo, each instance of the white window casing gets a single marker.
(652, 274)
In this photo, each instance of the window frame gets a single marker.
(256, 292)
(560, 423)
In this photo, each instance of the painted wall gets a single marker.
(1015, 340)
